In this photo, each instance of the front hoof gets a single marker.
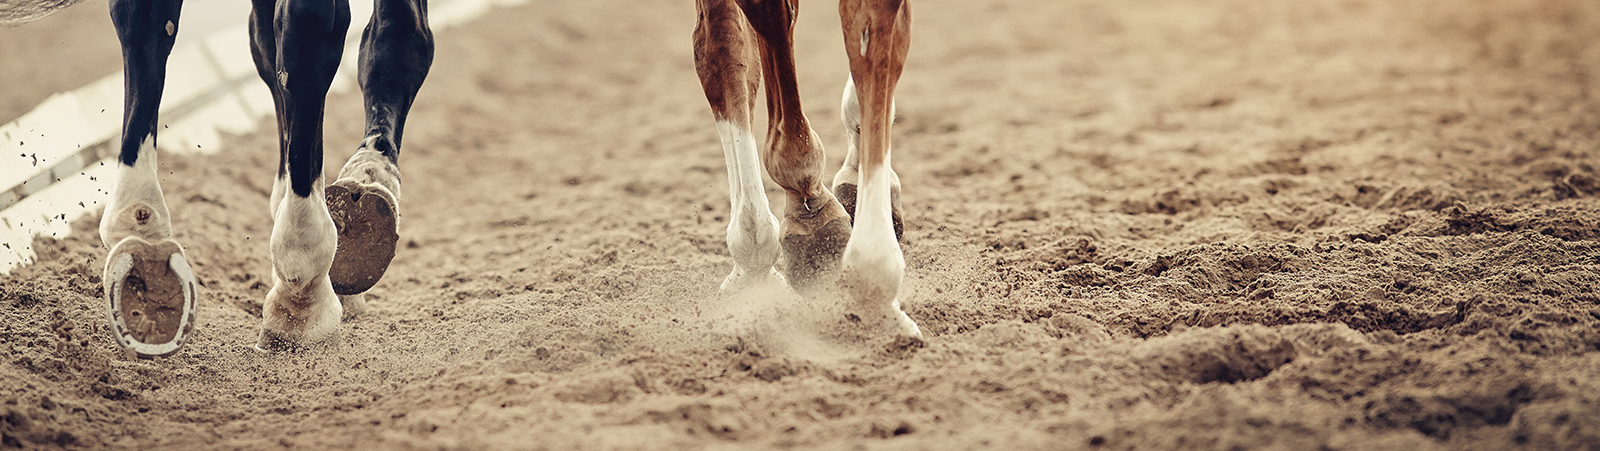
(150, 296)
(904, 325)
(813, 245)
(366, 218)
(296, 318)
(271, 341)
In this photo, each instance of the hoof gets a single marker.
(813, 244)
(150, 296)
(365, 217)
(299, 318)
(847, 198)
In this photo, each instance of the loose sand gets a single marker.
(1321, 224)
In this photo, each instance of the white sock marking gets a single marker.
(279, 185)
(752, 229)
(873, 257)
(874, 266)
(303, 237)
(136, 184)
(303, 243)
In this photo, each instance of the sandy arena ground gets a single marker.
(1163, 224)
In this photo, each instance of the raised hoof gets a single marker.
(150, 296)
(847, 197)
(364, 215)
(813, 244)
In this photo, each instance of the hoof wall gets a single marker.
(812, 257)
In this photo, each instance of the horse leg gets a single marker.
(149, 285)
(877, 35)
(815, 225)
(726, 60)
(396, 52)
(844, 182)
(297, 44)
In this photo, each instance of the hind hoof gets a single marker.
(365, 216)
(150, 296)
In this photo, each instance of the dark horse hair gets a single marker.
(14, 12)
